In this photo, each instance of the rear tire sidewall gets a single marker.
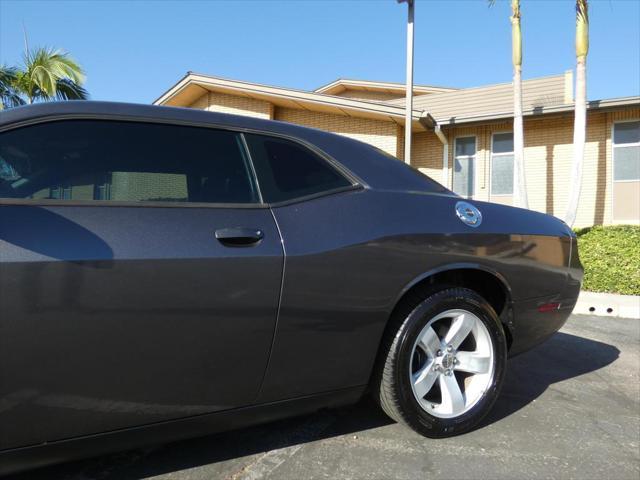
(457, 298)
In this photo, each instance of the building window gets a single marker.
(464, 165)
(626, 151)
(102, 188)
(626, 172)
(60, 192)
(502, 164)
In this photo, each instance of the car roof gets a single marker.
(372, 167)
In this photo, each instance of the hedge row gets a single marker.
(611, 258)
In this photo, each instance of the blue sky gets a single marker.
(134, 51)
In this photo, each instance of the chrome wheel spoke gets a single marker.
(424, 379)
(460, 328)
(441, 362)
(429, 342)
(452, 397)
(472, 362)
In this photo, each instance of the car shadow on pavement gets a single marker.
(562, 357)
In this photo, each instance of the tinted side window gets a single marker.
(287, 170)
(124, 161)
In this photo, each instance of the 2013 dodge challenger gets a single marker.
(167, 273)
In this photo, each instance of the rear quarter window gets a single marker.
(287, 170)
(427, 183)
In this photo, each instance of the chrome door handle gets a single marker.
(239, 236)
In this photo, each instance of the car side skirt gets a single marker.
(27, 458)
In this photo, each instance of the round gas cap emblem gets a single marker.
(468, 214)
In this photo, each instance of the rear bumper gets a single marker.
(533, 320)
(532, 326)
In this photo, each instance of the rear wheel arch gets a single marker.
(489, 284)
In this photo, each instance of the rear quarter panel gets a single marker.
(351, 256)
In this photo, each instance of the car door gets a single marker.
(139, 277)
(332, 309)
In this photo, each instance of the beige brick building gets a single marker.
(463, 137)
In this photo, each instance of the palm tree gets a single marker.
(9, 97)
(520, 197)
(580, 117)
(50, 74)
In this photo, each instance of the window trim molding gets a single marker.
(50, 202)
(473, 157)
(246, 154)
(491, 155)
(356, 182)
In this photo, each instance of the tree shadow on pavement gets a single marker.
(562, 357)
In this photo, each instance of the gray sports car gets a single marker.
(167, 273)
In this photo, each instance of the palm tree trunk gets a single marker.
(579, 134)
(580, 117)
(519, 180)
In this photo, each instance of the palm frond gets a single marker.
(582, 10)
(10, 99)
(43, 78)
(68, 67)
(69, 90)
(7, 75)
(45, 68)
(582, 28)
(9, 96)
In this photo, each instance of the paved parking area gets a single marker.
(569, 409)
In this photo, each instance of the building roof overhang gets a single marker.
(608, 104)
(192, 86)
(342, 84)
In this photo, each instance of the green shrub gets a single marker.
(611, 258)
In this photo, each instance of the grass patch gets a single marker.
(611, 258)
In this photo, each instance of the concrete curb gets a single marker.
(608, 305)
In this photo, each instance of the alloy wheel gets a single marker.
(452, 363)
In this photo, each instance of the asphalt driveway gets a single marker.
(570, 409)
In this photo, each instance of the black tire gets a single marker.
(391, 382)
